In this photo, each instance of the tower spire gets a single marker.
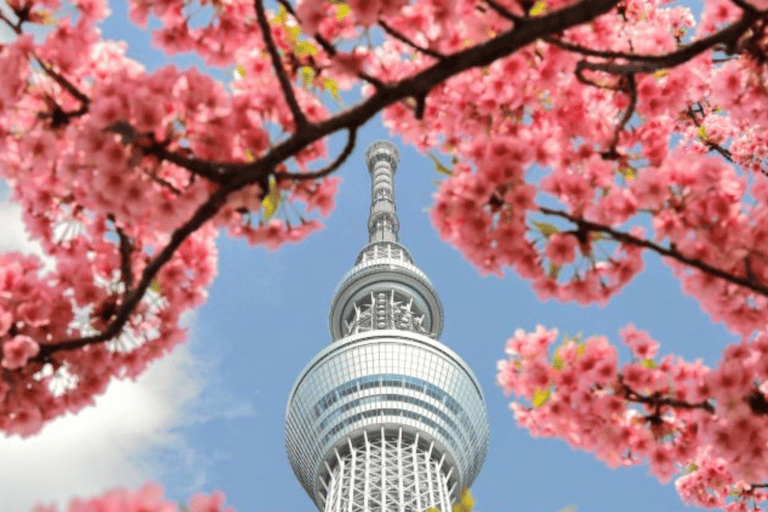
(382, 158)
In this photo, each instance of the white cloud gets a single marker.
(131, 435)
(13, 236)
(110, 444)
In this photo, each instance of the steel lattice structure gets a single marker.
(386, 418)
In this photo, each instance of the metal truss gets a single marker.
(388, 471)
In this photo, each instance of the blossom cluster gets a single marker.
(95, 149)
(572, 156)
(707, 426)
(148, 498)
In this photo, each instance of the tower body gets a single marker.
(386, 418)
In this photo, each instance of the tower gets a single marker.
(386, 418)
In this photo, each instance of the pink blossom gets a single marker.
(17, 351)
(561, 248)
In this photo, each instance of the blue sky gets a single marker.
(212, 416)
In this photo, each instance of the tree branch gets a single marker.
(631, 90)
(233, 176)
(711, 145)
(663, 251)
(304, 176)
(65, 84)
(504, 13)
(659, 401)
(126, 248)
(205, 212)
(651, 63)
(400, 37)
(285, 84)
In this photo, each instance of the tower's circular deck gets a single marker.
(389, 378)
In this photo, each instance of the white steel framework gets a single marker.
(388, 471)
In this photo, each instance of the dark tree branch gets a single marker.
(126, 248)
(132, 298)
(631, 90)
(16, 27)
(505, 13)
(65, 84)
(604, 54)
(660, 401)
(711, 145)
(277, 63)
(650, 63)
(325, 171)
(400, 37)
(672, 253)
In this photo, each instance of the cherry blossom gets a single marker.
(581, 136)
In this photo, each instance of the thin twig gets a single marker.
(664, 251)
(64, 83)
(651, 63)
(631, 91)
(400, 37)
(634, 396)
(277, 63)
(126, 248)
(325, 171)
(504, 13)
(725, 153)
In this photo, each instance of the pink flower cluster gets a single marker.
(148, 498)
(76, 146)
(708, 426)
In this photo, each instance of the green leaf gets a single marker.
(702, 133)
(304, 48)
(557, 362)
(465, 502)
(330, 85)
(554, 270)
(342, 12)
(540, 397)
(439, 166)
(649, 363)
(282, 16)
(546, 229)
(628, 172)
(539, 7)
(155, 286)
(240, 70)
(272, 201)
(307, 76)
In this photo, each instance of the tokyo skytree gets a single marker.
(386, 418)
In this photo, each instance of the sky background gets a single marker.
(211, 416)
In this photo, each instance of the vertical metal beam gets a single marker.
(400, 469)
(416, 468)
(367, 486)
(383, 471)
(429, 476)
(446, 503)
(352, 469)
